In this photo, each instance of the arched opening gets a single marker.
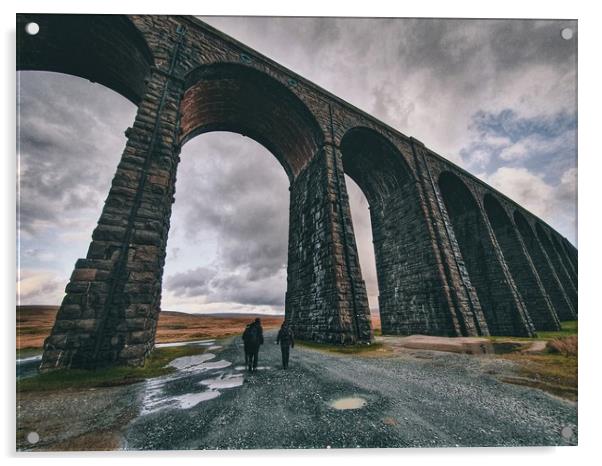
(484, 269)
(107, 49)
(550, 281)
(227, 246)
(322, 299)
(557, 264)
(236, 98)
(408, 300)
(362, 228)
(521, 267)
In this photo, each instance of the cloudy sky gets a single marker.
(496, 97)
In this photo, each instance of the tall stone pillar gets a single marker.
(326, 299)
(509, 306)
(110, 310)
(464, 309)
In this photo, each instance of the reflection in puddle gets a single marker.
(37, 357)
(228, 381)
(190, 400)
(214, 347)
(348, 403)
(215, 365)
(494, 347)
(191, 362)
(185, 343)
(166, 392)
(259, 368)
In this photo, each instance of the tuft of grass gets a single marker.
(342, 349)
(567, 329)
(566, 346)
(553, 373)
(154, 366)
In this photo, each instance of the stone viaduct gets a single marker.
(454, 256)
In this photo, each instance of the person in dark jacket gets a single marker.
(247, 345)
(253, 339)
(287, 341)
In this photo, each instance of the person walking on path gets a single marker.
(253, 339)
(287, 341)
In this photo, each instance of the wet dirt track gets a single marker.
(429, 399)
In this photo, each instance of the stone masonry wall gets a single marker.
(558, 297)
(502, 306)
(523, 272)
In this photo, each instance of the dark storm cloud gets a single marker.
(241, 195)
(192, 282)
(71, 137)
(267, 291)
(222, 285)
(236, 189)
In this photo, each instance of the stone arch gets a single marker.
(408, 298)
(107, 49)
(549, 278)
(325, 299)
(557, 264)
(241, 99)
(500, 305)
(525, 276)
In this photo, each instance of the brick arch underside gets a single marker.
(228, 97)
(410, 297)
(107, 49)
(521, 267)
(478, 252)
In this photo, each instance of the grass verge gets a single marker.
(553, 370)
(155, 365)
(554, 373)
(567, 328)
(344, 349)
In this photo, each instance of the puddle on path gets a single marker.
(185, 343)
(223, 381)
(494, 347)
(179, 389)
(190, 400)
(191, 362)
(37, 357)
(348, 403)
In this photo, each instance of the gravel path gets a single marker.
(418, 398)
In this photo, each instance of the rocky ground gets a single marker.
(401, 397)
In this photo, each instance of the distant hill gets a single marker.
(34, 323)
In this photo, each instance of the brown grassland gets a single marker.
(35, 322)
